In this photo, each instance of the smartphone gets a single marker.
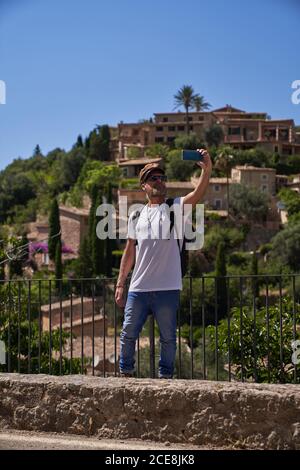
(192, 155)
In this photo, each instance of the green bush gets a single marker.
(255, 343)
(34, 343)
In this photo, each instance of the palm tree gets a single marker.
(224, 162)
(187, 98)
(200, 104)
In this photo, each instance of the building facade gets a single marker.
(242, 130)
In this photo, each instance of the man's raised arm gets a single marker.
(197, 195)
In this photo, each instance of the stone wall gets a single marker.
(186, 411)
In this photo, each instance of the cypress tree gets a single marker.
(221, 281)
(54, 229)
(37, 151)
(79, 142)
(109, 243)
(85, 268)
(104, 135)
(97, 245)
(16, 265)
(58, 263)
(94, 194)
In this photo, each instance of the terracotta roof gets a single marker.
(66, 303)
(74, 210)
(228, 109)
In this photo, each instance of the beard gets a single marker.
(159, 191)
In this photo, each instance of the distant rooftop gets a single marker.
(252, 168)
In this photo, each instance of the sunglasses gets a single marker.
(157, 177)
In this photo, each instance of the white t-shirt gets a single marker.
(157, 258)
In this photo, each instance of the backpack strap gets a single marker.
(135, 216)
(170, 202)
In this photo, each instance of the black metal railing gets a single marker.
(235, 328)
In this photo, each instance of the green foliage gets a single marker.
(177, 169)
(224, 160)
(265, 248)
(214, 135)
(239, 259)
(191, 142)
(232, 238)
(79, 142)
(58, 262)
(83, 265)
(221, 286)
(286, 247)
(99, 175)
(37, 151)
(254, 272)
(133, 152)
(130, 183)
(97, 245)
(248, 203)
(291, 201)
(67, 168)
(98, 144)
(255, 342)
(157, 150)
(288, 165)
(34, 343)
(54, 229)
(17, 263)
(258, 157)
(187, 98)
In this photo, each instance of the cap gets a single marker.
(148, 169)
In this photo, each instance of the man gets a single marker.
(157, 279)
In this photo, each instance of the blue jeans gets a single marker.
(163, 305)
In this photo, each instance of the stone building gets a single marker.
(242, 130)
(74, 226)
(62, 312)
(263, 179)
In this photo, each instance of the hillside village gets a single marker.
(252, 138)
(48, 215)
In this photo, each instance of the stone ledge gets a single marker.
(184, 411)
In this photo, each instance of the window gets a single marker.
(135, 132)
(159, 128)
(201, 118)
(45, 258)
(190, 118)
(125, 172)
(269, 133)
(264, 177)
(165, 119)
(264, 188)
(159, 139)
(180, 128)
(234, 131)
(171, 128)
(170, 139)
(217, 204)
(216, 187)
(191, 128)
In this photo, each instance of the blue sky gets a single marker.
(70, 64)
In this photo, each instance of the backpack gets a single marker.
(184, 256)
